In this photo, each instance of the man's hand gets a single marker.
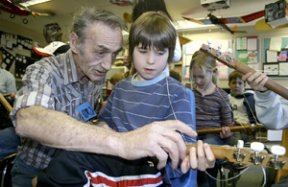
(158, 139)
(256, 80)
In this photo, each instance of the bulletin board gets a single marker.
(247, 50)
(17, 53)
(276, 56)
(8, 58)
(21, 63)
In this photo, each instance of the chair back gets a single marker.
(6, 165)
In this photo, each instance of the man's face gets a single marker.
(95, 56)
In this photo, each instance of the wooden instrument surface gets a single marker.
(284, 143)
(228, 153)
(232, 128)
(5, 103)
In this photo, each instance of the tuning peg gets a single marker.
(278, 150)
(219, 46)
(240, 144)
(209, 42)
(238, 155)
(257, 146)
(229, 51)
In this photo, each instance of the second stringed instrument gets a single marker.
(5, 103)
(232, 128)
(243, 68)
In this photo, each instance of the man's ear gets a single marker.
(74, 42)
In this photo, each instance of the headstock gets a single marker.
(249, 156)
(225, 58)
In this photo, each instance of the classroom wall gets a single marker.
(216, 34)
(16, 29)
(194, 35)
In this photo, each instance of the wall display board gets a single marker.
(21, 64)
(247, 51)
(17, 53)
(190, 48)
(8, 59)
(11, 41)
(276, 56)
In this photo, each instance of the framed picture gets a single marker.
(271, 69)
(283, 55)
(283, 68)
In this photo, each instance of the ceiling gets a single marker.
(64, 10)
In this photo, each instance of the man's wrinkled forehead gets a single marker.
(109, 49)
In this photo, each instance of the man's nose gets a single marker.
(107, 62)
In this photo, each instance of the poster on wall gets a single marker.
(271, 69)
(242, 56)
(283, 67)
(8, 59)
(11, 41)
(21, 64)
(223, 70)
(24, 43)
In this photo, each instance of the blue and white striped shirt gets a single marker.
(133, 104)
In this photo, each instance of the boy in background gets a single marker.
(243, 106)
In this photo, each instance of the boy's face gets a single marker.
(150, 62)
(236, 86)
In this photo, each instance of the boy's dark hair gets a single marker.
(149, 5)
(175, 75)
(234, 75)
(153, 29)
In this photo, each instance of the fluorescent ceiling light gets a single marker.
(33, 2)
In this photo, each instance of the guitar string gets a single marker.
(240, 173)
(170, 102)
(174, 114)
